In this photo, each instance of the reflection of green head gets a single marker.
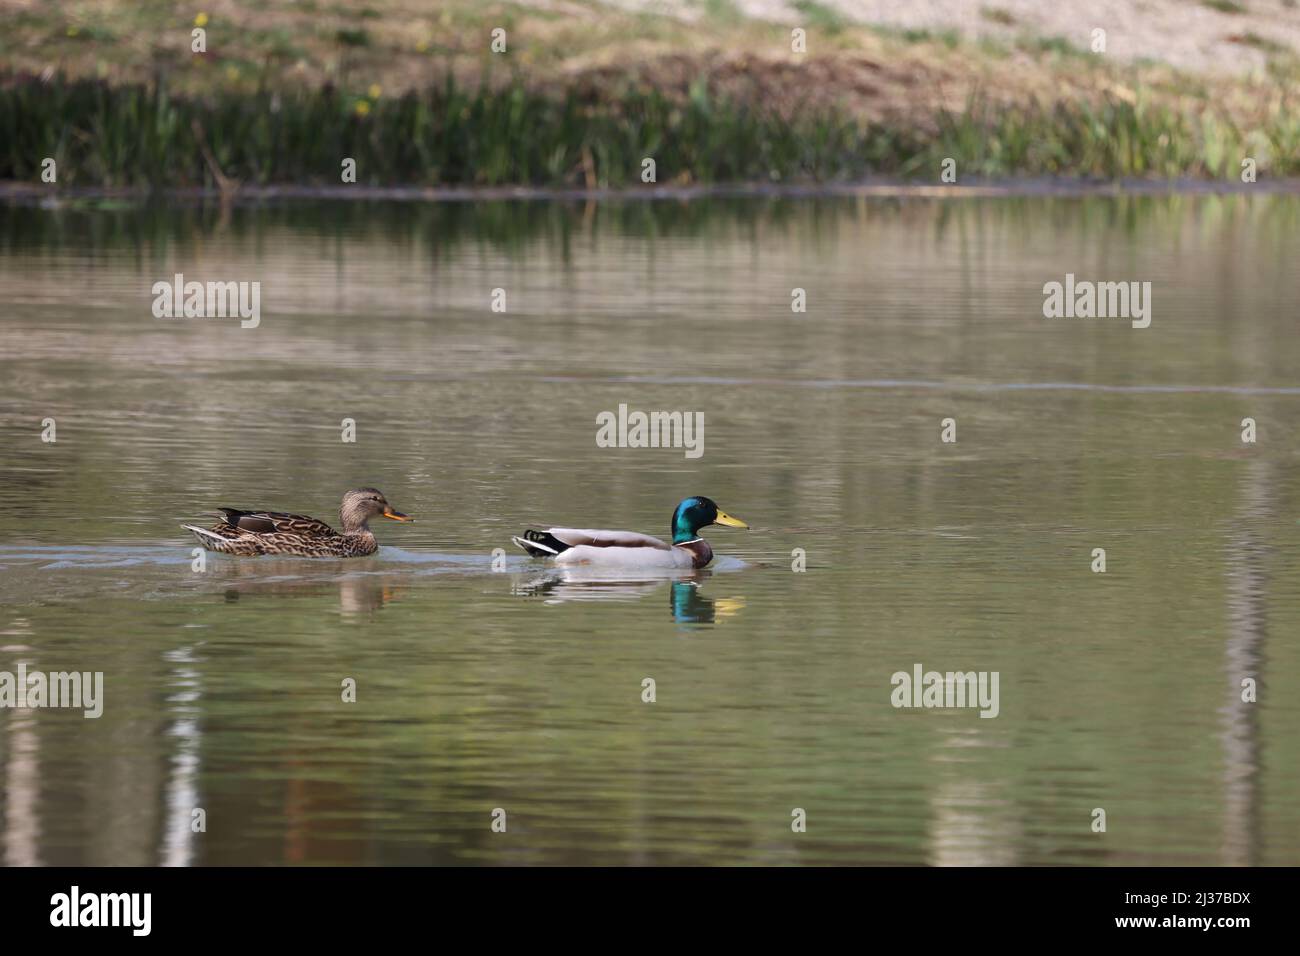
(698, 512)
(689, 605)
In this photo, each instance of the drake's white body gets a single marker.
(620, 549)
(629, 550)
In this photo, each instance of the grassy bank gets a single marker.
(103, 134)
(284, 93)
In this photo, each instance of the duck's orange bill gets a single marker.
(396, 515)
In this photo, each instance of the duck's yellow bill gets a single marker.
(396, 515)
(730, 522)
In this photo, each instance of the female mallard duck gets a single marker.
(627, 549)
(274, 532)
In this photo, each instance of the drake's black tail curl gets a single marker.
(541, 544)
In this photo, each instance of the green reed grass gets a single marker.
(107, 135)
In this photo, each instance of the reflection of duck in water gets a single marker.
(357, 593)
(276, 532)
(628, 549)
(688, 604)
(691, 606)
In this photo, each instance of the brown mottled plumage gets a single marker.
(275, 532)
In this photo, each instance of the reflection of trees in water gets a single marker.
(119, 794)
(22, 831)
(972, 822)
(1247, 628)
(972, 826)
(510, 226)
(181, 788)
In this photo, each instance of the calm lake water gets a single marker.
(521, 689)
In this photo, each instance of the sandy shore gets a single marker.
(1219, 36)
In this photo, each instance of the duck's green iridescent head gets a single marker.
(699, 512)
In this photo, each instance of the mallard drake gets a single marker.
(627, 549)
(274, 532)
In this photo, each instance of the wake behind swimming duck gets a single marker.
(628, 549)
(275, 532)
